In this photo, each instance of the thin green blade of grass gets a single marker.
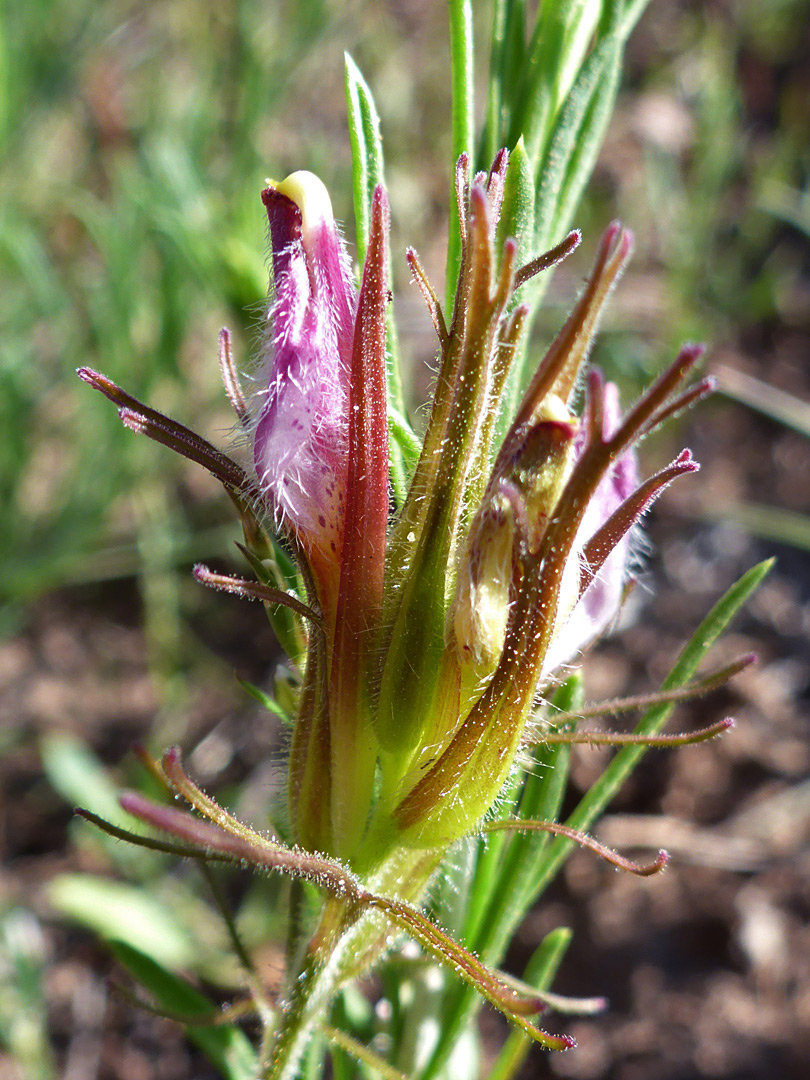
(768, 400)
(225, 1045)
(23, 1003)
(491, 135)
(128, 913)
(462, 78)
(366, 146)
(368, 171)
(576, 138)
(766, 522)
(624, 762)
(558, 46)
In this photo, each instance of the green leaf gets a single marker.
(463, 124)
(119, 912)
(517, 209)
(491, 134)
(785, 408)
(767, 522)
(575, 141)
(264, 699)
(489, 857)
(633, 10)
(352, 1016)
(75, 772)
(547, 957)
(367, 172)
(366, 145)
(408, 442)
(23, 1004)
(505, 74)
(564, 170)
(312, 1064)
(280, 572)
(559, 43)
(225, 1045)
(345, 1050)
(602, 791)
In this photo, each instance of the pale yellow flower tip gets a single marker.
(309, 194)
(555, 410)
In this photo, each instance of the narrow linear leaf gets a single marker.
(767, 522)
(351, 1046)
(560, 40)
(409, 443)
(264, 699)
(123, 913)
(75, 772)
(366, 146)
(600, 793)
(279, 571)
(368, 171)
(633, 10)
(463, 123)
(495, 83)
(785, 408)
(576, 139)
(225, 1046)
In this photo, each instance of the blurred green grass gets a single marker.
(135, 140)
(712, 122)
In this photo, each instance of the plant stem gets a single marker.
(312, 990)
(348, 939)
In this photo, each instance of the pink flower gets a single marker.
(301, 435)
(320, 451)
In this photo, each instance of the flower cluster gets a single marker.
(438, 620)
(422, 627)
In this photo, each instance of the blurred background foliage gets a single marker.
(135, 140)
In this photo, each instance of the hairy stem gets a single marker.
(312, 990)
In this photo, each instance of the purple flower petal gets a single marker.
(301, 434)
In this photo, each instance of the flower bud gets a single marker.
(527, 480)
(481, 608)
(537, 458)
